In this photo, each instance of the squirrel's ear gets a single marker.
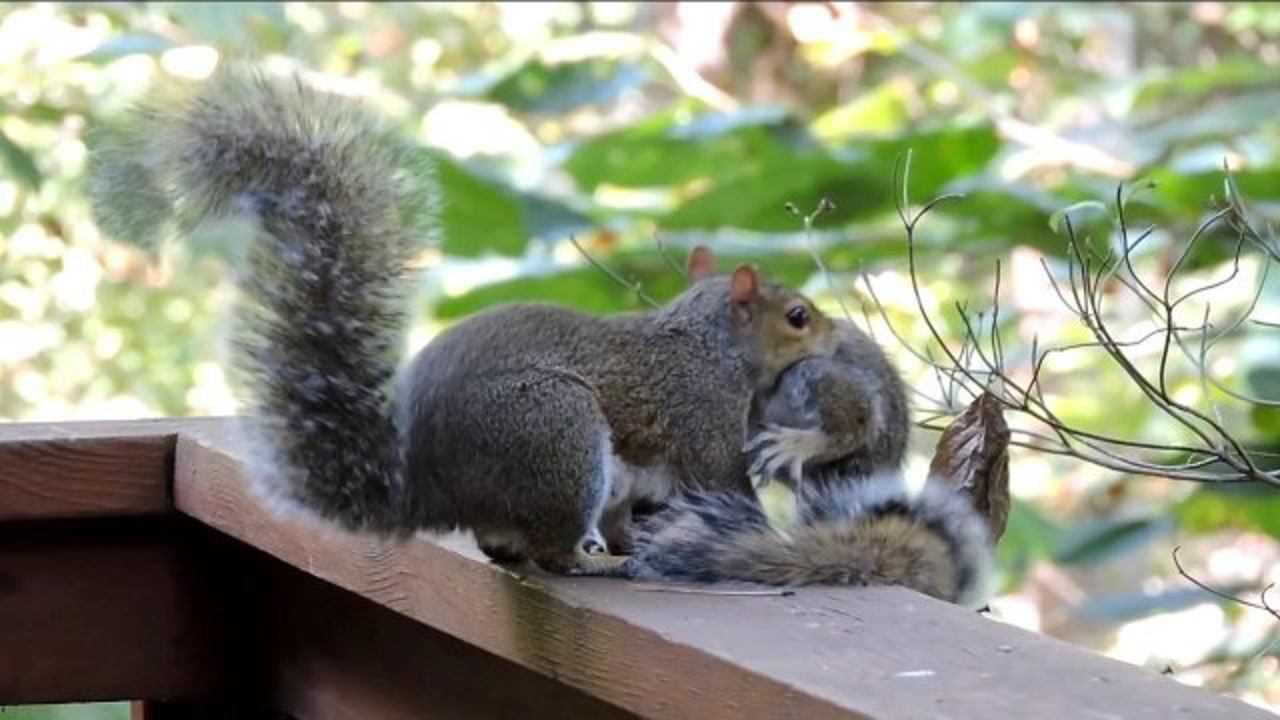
(702, 263)
(745, 285)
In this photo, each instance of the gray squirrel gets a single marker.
(536, 427)
(842, 415)
(834, 429)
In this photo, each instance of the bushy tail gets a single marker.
(337, 208)
(859, 533)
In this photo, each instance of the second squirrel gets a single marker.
(835, 416)
(835, 429)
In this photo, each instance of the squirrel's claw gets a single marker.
(782, 451)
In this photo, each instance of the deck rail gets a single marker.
(136, 565)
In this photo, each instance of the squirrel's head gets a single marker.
(783, 325)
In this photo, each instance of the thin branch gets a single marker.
(635, 287)
(1215, 456)
(1264, 605)
(671, 263)
(824, 205)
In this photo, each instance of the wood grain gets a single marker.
(105, 610)
(329, 654)
(89, 469)
(90, 429)
(848, 653)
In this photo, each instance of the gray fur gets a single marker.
(833, 417)
(524, 404)
(338, 207)
(836, 429)
(853, 533)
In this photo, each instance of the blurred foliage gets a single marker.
(641, 129)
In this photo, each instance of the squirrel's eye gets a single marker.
(798, 317)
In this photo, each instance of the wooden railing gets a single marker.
(135, 565)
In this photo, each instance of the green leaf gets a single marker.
(479, 215)
(1028, 537)
(756, 198)
(591, 290)
(1266, 422)
(1087, 207)
(882, 110)
(1232, 73)
(1190, 194)
(537, 87)
(740, 169)
(1095, 542)
(939, 157)
(41, 112)
(858, 178)
(1238, 506)
(662, 151)
(995, 212)
(20, 163)
(584, 288)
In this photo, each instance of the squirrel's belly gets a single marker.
(629, 484)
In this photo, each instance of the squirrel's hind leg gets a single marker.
(551, 443)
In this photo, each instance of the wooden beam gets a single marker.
(88, 469)
(847, 653)
(329, 654)
(107, 610)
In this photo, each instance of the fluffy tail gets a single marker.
(336, 208)
(863, 533)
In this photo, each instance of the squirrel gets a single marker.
(837, 416)
(835, 430)
(534, 426)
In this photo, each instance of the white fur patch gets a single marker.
(631, 483)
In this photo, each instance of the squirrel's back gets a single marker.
(673, 388)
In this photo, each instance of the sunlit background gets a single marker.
(639, 129)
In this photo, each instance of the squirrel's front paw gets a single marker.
(779, 450)
(594, 544)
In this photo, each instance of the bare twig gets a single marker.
(978, 365)
(824, 205)
(634, 287)
(671, 263)
(1263, 603)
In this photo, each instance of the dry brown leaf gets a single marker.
(973, 458)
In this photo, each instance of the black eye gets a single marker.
(798, 317)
